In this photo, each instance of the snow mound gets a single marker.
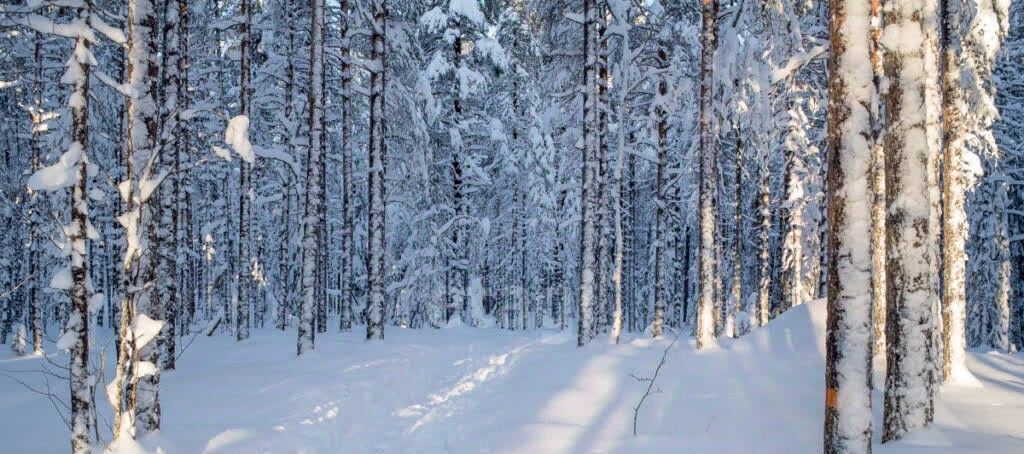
(470, 390)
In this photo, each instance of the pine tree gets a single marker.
(707, 303)
(347, 232)
(310, 219)
(848, 344)
(244, 261)
(954, 218)
(661, 192)
(376, 223)
(589, 191)
(879, 288)
(910, 316)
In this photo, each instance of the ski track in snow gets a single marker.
(469, 390)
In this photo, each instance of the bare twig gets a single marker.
(190, 341)
(650, 381)
(48, 393)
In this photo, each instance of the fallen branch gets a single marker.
(650, 381)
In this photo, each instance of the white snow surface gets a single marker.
(469, 9)
(469, 390)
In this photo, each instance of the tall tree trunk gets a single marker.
(135, 392)
(244, 261)
(848, 342)
(708, 299)
(285, 284)
(878, 248)
(559, 290)
(173, 137)
(910, 322)
(630, 238)
(934, 135)
(736, 295)
(34, 310)
(322, 207)
(792, 209)
(954, 217)
(603, 317)
(589, 194)
(78, 238)
(660, 223)
(347, 231)
(311, 217)
(376, 223)
(764, 271)
(617, 199)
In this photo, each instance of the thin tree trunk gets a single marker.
(764, 278)
(376, 223)
(244, 261)
(707, 195)
(878, 248)
(78, 321)
(660, 228)
(347, 230)
(589, 194)
(310, 219)
(140, 159)
(737, 243)
(34, 311)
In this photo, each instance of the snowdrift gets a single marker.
(470, 390)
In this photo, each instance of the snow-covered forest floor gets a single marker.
(486, 390)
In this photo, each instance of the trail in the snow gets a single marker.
(467, 390)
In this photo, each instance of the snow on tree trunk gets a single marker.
(376, 246)
(707, 302)
(149, 304)
(35, 319)
(933, 133)
(619, 251)
(878, 248)
(954, 216)
(173, 140)
(848, 344)
(244, 262)
(310, 219)
(764, 275)
(458, 274)
(559, 271)
(589, 193)
(660, 222)
(910, 320)
(347, 231)
(603, 308)
(177, 234)
(77, 75)
(141, 157)
(796, 144)
(736, 293)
